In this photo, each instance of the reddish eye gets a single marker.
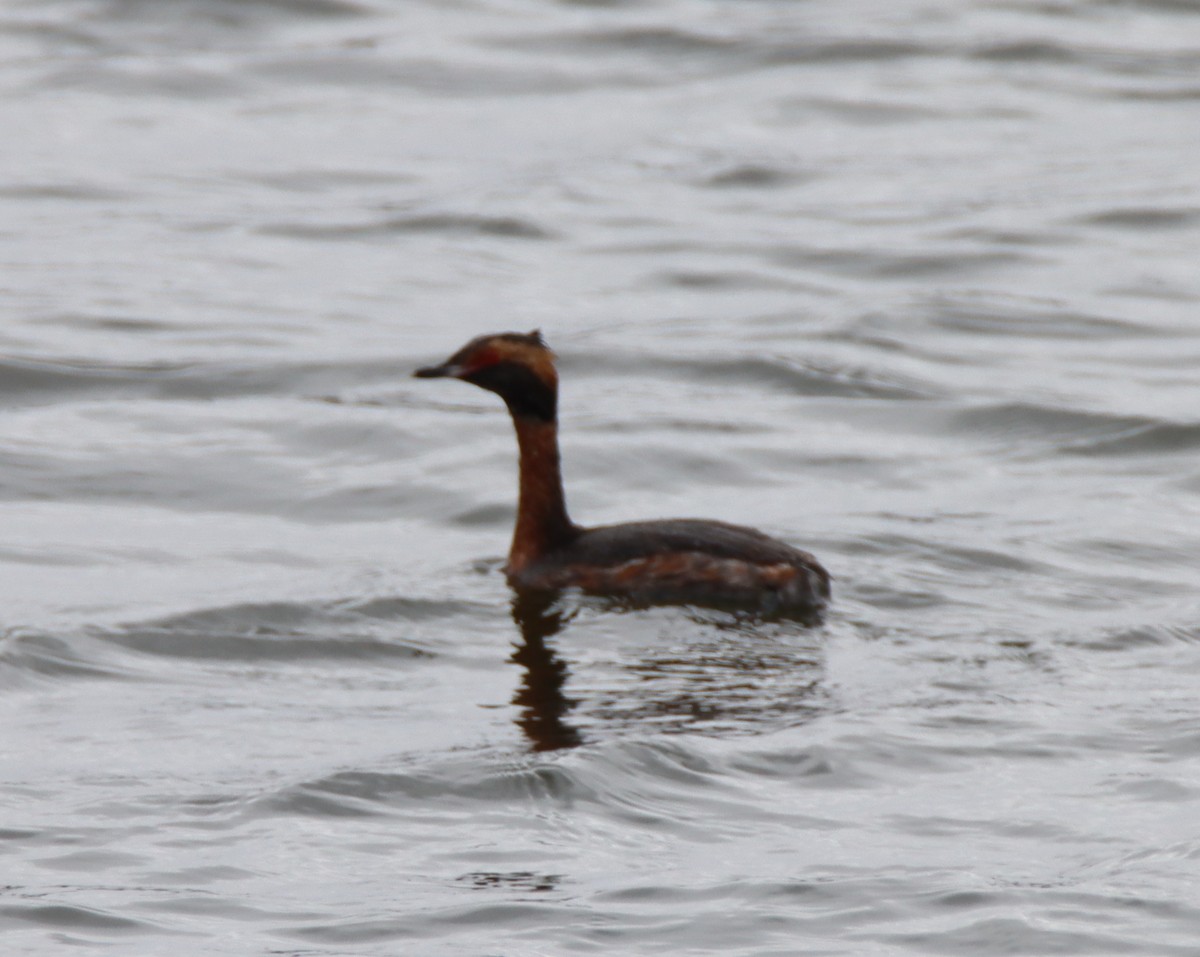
(481, 360)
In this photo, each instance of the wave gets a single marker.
(70, 919)
(358, 630)
(808, 378)
(454, 224)
(27, 656)
(1077, 432)
(381, 630)
(25, 381)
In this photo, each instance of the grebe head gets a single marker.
(517, 367)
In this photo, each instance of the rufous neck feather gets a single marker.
(542, 520)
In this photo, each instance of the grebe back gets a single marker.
(665, 561)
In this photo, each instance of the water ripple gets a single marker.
(67, 918)
(289, 631)
(501, 227)
(1070, 429)
(25, 654)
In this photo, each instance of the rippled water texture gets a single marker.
(913, 285)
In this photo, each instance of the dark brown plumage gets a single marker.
(672, 561)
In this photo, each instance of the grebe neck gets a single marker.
(542, 521)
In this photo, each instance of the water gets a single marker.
(912, 285)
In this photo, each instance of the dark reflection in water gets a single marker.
(540, 697)
(730, 673)
(515, 880)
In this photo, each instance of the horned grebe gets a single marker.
(672, 561)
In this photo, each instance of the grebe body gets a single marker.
(690, 561)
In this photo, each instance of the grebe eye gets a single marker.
(483, 359)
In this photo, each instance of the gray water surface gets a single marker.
(911, 285)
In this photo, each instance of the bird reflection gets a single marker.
(722, 674)
(544, 707)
